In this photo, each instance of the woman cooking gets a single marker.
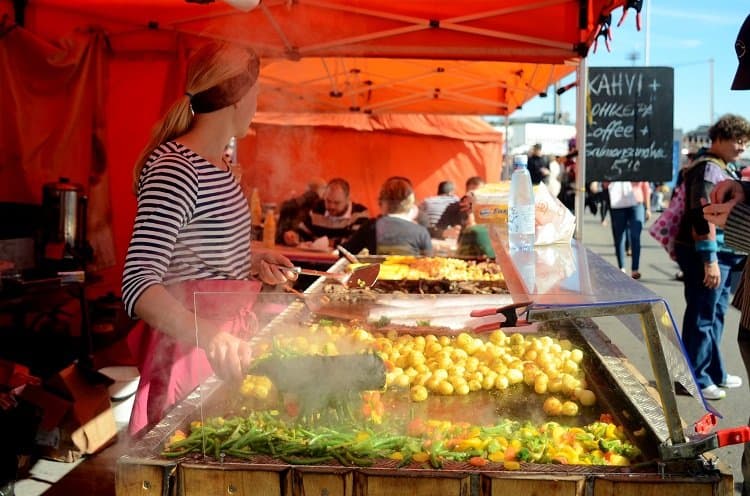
(192, 234)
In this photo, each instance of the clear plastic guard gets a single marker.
(574, 280)
(473, 392)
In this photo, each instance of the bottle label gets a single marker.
(521, 219)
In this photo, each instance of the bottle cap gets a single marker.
(520, 160)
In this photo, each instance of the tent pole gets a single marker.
(507, 160)
(582, 74)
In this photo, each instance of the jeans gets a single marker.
(632, 220)
(703, 323)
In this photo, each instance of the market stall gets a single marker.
(103, 72)
(644, 444)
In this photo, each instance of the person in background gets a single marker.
(568, 180)
(630, 204)
(192, 234)
(456, 214)
(657, 197)
(294, 210)
(555, 171)
(474, 239)
(537, 165)
(706, 261)
(729, 209)
(434, 206)
(336, 216)
(600, 199)
(394, 232)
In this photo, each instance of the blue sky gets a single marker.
(684, 34)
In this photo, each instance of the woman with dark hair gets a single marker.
(191, 236)
(705, 261)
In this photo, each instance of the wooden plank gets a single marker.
(377, 485)
(201, 481)
(133, 479)
(539, 485)
(322, 483)
(663, 487)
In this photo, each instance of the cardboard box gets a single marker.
(77, 414)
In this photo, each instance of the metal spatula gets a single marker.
(361, 277)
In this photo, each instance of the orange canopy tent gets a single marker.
(428, 148)
(87, 79)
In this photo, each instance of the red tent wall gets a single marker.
(285, 151)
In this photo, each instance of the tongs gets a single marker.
(360, 278)
(705, 440)
(509, 312)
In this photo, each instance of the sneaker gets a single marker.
(732, 381)
(713, 392)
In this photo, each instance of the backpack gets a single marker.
(664, 229)
(666, 226)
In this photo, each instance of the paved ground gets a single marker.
(658, 273)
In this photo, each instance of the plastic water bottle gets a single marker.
(520, 207)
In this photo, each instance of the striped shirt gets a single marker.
(736, 234)
(192, 222)
(434, 206)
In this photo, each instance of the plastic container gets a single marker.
(521, 213)
(490, 203)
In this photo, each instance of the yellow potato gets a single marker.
(514, 376)
(552, 406)
(445, 388)
(501, 382)
(462, 389)
(402, 381)
(576, 355)
(540, 384)
(586, 397)
(418, 393)
(569, 408)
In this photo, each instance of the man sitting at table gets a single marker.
(434, 206)
(295, 210)
(456, 214)
(335, 216)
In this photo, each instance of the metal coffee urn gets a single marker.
(64, 206)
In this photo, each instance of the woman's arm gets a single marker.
(228, 355)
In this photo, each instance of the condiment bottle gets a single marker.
(256, 212)
(269, 229)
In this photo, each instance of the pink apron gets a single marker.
(171, 369)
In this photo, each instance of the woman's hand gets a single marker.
(724, 197)
(267, 265)
(727, 191)
(711, 275)
(229, 356)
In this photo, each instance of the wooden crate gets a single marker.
(233, 480)
(722, 484)
(508, 483)
(411, 482)
(143, 477)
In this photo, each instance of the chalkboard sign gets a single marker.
(629, 135)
